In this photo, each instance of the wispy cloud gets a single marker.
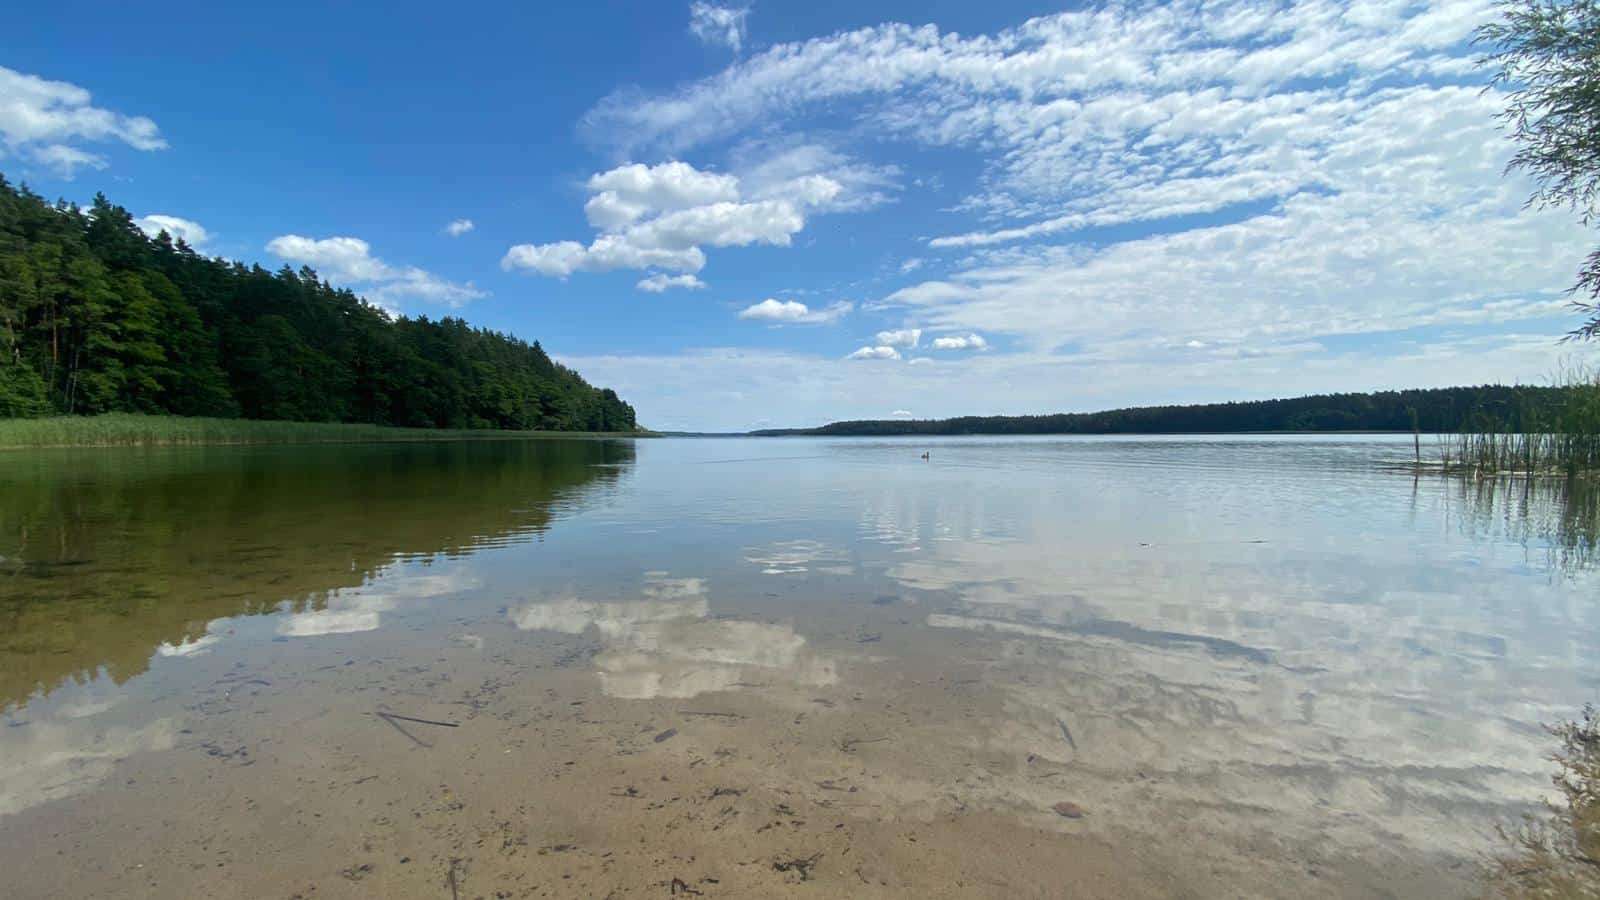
(715, 23)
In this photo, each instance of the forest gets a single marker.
(96, 317)
(1439, 410)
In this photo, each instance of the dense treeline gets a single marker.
(96, 316)
(1438, 410)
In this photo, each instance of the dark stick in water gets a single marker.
(390, 715)
(1067, 734)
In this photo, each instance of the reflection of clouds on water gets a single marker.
(794, 557)
(62, 748)
(360, 609)
(665, 646)
(188, 647)
(46, 761)
(1346, 693)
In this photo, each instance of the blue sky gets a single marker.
(785, 214)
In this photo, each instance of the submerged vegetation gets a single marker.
(98, 317)
(1558, 856)
(129, 429)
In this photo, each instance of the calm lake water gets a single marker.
(764, 667)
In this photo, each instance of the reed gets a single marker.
(1564, 440)
(127, 429)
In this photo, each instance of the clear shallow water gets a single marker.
(1249, 659)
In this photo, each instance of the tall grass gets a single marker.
(1565, 440)
(126, 429)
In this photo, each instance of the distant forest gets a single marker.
(96, 316)
(1492, 407)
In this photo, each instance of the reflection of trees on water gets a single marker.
(106, 556)
(1559, 515)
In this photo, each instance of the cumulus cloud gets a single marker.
(45, 122)
(960, 342)
(902, 337)
(900, 414)
(626, 194)
(190, 231)
(661, 216)
(879, 352)
(659, 283)
(716, 24)
(459, 227)
(349, 261)
(795, 313)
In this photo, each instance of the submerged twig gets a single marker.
(1067, 734)
(390, 715)
(397, 727)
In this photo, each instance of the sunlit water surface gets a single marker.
(1245, 660)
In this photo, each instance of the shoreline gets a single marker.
(136, 430)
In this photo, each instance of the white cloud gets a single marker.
(659, 283)
(412, 283)
(910, 265)
(626, 194)
(902, 337)
(900, 414)
(606, 253)
(190, 231)
(662, 216)
(42, 121)
(812, 175)
(795, 312)
(349, 261)
(1093, 117)
(337, 258)
(64, 160)
(716, 24)
(879, 352)
(960, 342)
(459, 227)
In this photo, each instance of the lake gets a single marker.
(1220, 666)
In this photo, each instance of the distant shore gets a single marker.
(1513, 408)
(129, 430)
